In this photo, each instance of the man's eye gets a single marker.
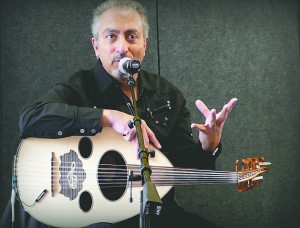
(132, 37)
(110, 36)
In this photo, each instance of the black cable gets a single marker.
(157, 38)
(298, 22)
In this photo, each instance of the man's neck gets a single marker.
(126, 89)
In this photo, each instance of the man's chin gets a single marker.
(118, 75)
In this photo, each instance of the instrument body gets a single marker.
(34, 173)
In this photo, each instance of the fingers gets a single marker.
(210, 114)
(230, 104)
(119, 122)
(152, 138)
(145, 136)
(198, 127)
(202, 108)
(226, 109)
(211, 119)
(148, 136)
(130, 135)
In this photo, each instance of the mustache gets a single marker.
(118, 57)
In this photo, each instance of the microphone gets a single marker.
(129, 66)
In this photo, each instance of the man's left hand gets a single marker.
(210, 133)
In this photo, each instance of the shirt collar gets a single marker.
(105, 81)
(148, 81)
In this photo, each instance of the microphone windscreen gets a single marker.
(123, 63)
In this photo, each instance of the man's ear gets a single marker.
(95, 46)
(145, 44)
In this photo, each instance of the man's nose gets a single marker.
(122, 46)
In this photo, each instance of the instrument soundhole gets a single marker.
(85, 201)
(85, 147)
(112, 175)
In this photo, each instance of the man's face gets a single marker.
(120, 34)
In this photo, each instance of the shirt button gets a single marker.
(60, 133)
(82, 131)
(93, 131)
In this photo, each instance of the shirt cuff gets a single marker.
(215, 151)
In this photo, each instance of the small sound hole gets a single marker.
(85, 147)
(85, 201)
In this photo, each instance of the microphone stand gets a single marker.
(150, 201)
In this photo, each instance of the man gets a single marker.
(97, 98)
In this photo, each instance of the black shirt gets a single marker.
(75, 108)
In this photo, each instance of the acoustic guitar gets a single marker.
(77, 181)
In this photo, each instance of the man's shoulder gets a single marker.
(81, 77)
(157, 82)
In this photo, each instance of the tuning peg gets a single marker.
(257, 178)
(236, 165)
(264, 163)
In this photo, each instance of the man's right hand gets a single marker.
(119, 122)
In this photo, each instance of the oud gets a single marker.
(77, 181)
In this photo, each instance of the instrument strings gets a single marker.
(113, 175)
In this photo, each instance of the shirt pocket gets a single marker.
(161, 116)
(160, 113)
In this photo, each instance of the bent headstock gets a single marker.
(250, 174)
